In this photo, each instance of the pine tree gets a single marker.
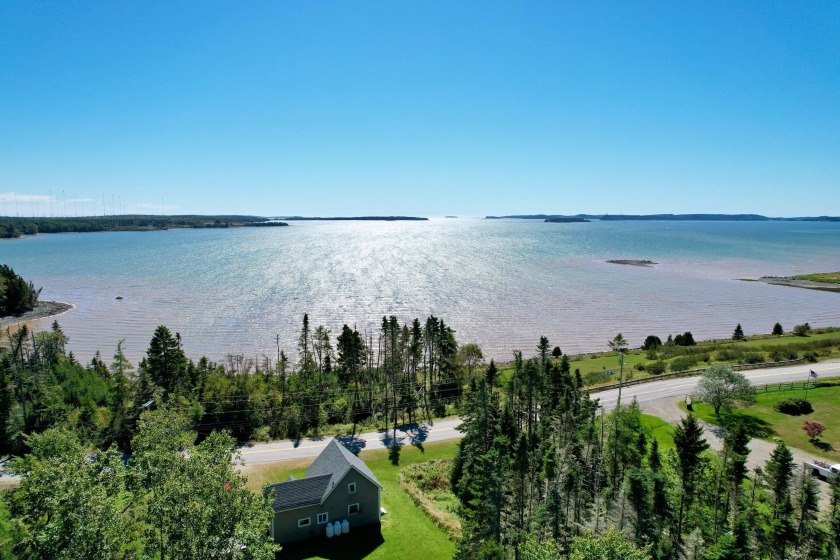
(689, 443)
(738, 334)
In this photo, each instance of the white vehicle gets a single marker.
(823, 470)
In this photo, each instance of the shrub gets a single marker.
(753, 358)
(727, 355)
(261, 434)
(802, 330)
(652, 342)
(640, 366)
(811, 356)
(683, 363)
(655, 368)
(794, 406)
(685, 339)
(813, 429)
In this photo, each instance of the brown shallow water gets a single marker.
(502, 284)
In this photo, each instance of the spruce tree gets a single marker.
(738, 334)
(690, 445)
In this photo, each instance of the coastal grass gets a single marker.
(827, 277)
(757, 350)
(406, 533)
(764, 422)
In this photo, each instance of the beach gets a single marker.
(43, 310)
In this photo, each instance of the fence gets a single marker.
(786, 386)
(693, 372)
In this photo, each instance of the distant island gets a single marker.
(566, 220)
(667, 217)
(355, 218)
(450, 216)
(11, 228)
(632, 262)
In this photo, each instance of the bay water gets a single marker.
(499, 283)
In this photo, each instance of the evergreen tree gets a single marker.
(165, 363)
(778, 330)
(690, 445)
(738, 334)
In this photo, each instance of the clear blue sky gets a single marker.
(420, 108)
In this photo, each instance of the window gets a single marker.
(305, 522)
(323, 518)
(351, 488)
(352, 509)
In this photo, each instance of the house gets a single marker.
(338, 486)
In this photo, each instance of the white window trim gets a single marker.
(326, 518)
(305, 522)
(351, 488)
(352, 512)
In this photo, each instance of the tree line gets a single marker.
(401, 373)
(11, 228)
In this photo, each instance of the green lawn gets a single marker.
(404, 528)
(660, 430)
(764, 422)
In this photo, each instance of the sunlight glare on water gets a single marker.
(500, 283)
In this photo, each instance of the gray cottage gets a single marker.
(338, 486)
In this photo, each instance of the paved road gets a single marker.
(670, 389)
(419, 434)
(657, 398)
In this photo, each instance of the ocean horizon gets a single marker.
(498, 283)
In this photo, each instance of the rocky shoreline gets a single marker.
(42, 310)
(795, 283)
(632, 262)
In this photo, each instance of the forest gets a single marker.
(541, 473)
(16, 294)
(541, 465)
(11, 228)
(405, 374)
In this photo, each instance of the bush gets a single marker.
(814, 430)
(683, 363)
(685, 339)
(652, 342)
(753, 358)
(655, 368)
(794, 406)
(640, 366)
(802, 330)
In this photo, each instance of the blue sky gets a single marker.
(420, 108)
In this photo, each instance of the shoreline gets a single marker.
(43, 310)
(795, 283)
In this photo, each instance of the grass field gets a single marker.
(403, 527)
(830, 277)
(821, 344)
(765, 423)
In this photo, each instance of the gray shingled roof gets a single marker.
(321, 477)
(302, 492)
(336, 460)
